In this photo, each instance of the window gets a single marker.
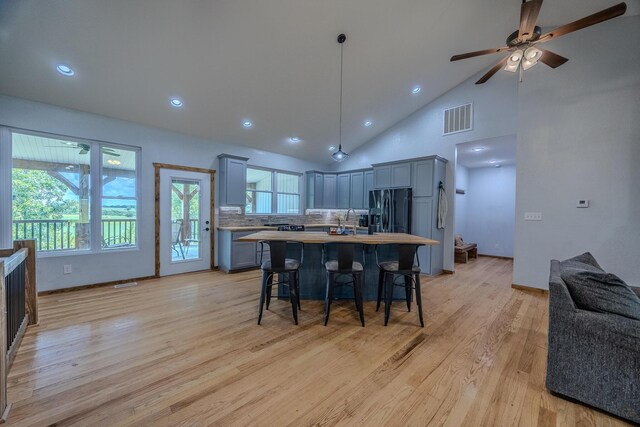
(119, 201)
(271, 191)
(55, 183)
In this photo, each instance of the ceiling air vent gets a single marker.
(458, 119)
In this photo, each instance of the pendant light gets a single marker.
(340, 155)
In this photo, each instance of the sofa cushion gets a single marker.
(602, 292)
(578, 261)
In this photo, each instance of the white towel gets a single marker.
(443, 207)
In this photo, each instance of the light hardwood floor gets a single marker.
(186, 350)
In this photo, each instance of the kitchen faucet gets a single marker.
(355, 219)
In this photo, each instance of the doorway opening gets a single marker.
(485, 198)
(184, 213)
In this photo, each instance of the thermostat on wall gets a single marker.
(583, 203)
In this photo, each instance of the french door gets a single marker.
(185, 221)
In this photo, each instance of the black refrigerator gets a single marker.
(390, 210)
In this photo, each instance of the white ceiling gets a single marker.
(495, 151)
(275, 62)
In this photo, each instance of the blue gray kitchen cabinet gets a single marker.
(315, 190)
(233, 180)
(357, 190)
(329, 199)
(234, 255)
(343, 190)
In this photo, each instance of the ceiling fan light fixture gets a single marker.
(514, 61)
(526, 64)
(532, 54)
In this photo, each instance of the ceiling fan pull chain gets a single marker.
(521, 74)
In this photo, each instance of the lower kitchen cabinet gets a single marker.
(234, 255)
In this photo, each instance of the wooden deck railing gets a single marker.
(18, 307)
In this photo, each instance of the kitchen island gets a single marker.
(312, 272)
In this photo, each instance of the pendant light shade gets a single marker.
(340, 155)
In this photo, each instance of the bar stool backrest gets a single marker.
(278, 250)
(345, 257)
(406, 256)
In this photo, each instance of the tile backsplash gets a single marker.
(232, 218)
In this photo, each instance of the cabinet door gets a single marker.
(343, 188)
(243, 254)
(422, 222)
(329, 192)
(236, 182)
(357, 190)
(318, 186)
(368, 186)
(423, 178)
(382, 177)
(401, 175)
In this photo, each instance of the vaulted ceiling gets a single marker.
(275, 62)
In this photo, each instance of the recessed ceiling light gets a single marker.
(247, 124)
(295, 139)
(333, 147)
(476, 149)
(416, 90)
(368, 123)
(492, 161)
(113, 162)
(65, 70)
(176, 102)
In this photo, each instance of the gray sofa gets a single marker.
(593, 357)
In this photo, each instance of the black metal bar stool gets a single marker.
(288, 271)
(406, 267)
(344, 266)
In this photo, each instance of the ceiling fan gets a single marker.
(522, 44)
(84, 148)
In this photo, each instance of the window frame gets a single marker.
(95, 194)
(274, 190)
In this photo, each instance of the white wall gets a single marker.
(491, 209)
(495, 114)
(579, 137)
(461, 211)
(157, 146)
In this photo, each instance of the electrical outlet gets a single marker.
(67, 269)
(533, 216)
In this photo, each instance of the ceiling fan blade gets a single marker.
(528, 16)
(492, 71)
(551, 59)
(587, 21)
(479, 53)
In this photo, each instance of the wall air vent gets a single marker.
(458, 119)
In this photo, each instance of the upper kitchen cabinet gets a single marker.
(233, 180)
(423, 178)
(392, 175)
(427, 174)
(368, 186)
(357, 190)
(315, 190)
(343, 191)
(329, 197)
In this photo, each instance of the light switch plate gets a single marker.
(533, 216)
(67, 269)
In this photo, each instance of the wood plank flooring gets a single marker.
(186, 351)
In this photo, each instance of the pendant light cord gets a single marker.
(340, 131)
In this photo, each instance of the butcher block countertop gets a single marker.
(320, 237)
(266, 227)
